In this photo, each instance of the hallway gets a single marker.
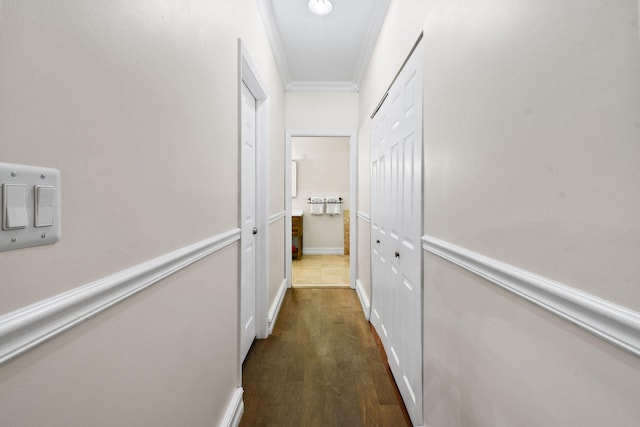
(320, 367)
(496, 234)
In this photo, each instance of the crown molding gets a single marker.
(370, 39)
(328, 86)
(268, 20)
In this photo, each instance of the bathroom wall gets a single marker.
(324, 171)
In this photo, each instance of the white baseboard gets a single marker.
(364, 301)
(277, 303)
(330, 285)
(323, 251)
(27, 327)
(234, 411)
(613, 323)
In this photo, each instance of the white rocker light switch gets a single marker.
(45, 197)
(14, 198)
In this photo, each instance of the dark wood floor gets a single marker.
(320, 367)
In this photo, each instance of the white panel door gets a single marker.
(248, 222)
(396, 230)
(378, 261)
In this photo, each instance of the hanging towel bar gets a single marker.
(316, 200)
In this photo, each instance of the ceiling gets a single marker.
(322, 53)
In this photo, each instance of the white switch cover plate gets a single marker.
(32, 177)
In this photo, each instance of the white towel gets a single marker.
(317, 205)
(334, 205)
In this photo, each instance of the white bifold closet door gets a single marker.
(396, 230)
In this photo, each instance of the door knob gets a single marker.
(255, 231)
(397, 254)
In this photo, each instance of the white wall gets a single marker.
(136, 104)
(531, 127)
(323, 172)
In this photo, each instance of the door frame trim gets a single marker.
(353, 193)
(248, 73)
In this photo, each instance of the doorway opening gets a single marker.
(320, 211)
(320, 178)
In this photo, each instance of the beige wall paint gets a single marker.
(276, 259)
(532, 117)
(321, 110)
(104, 94)
(545, 175)
(164, 357)
(363, 266)
(323, 172)
(493, 359)
(276, 165)
(364, 255)
(136, 104)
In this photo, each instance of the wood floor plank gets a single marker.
(320, 367)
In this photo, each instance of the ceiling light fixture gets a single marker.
(320, 7)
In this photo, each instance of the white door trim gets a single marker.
(353, 192)
(248, 73)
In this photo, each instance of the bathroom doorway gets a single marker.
(322, 189)
(320, 220)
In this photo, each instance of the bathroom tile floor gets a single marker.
(320, 270)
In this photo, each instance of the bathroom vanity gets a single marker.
(296, 233)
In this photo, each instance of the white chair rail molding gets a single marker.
(617, 325)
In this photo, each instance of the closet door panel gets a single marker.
(396, 230)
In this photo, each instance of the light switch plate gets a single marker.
(32, 177)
